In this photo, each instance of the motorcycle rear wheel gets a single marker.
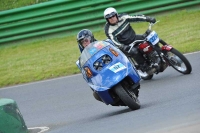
(127, 96)
(178, 61)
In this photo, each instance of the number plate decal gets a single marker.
(153, 38)
(117, 67)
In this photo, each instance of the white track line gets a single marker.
(43, 129)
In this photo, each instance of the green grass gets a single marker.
(11, 4)
(28, 62)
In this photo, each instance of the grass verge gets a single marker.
(11, 4)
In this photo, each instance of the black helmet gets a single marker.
(84, 34)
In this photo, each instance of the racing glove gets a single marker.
(150, 19)
(124, 48)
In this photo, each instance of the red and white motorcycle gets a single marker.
(157, 56)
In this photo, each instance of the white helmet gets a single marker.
(109, 12)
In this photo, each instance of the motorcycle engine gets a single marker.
(148, 50)
(152, 57)
(145, 48)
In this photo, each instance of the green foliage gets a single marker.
(28, 62)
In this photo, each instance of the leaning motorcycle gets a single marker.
(157, 55)
(110, 75)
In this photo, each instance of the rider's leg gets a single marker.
(138, 57)
(139, 37)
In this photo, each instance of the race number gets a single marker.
(117, 67)
(153, 38)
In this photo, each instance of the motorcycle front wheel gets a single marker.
(178, 61)
(127, 97)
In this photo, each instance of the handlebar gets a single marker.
(151, 24)
(133, 43)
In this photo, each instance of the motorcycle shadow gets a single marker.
(111, 114)
(167, 77)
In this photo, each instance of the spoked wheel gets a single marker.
(144, 75)
(178, 61)
(127, 96)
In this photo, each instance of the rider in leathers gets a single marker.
(119, 30)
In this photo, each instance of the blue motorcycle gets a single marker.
(111, 76)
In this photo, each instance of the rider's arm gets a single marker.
(139, 18)
(109, 34)
(135, 18)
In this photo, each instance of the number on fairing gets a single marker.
(117, 67)
(153, 38)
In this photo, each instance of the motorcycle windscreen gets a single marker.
(90, 50)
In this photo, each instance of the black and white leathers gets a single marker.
(122, 32)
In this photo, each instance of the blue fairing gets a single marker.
(110, 74)
(106, 77)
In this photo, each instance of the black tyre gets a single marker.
(128, 97)
(144, 75)
(147, 77)
(178, 61)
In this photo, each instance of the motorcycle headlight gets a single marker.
(98, 65)
(106, 59)
(101, 62)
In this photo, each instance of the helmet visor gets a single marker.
(112, 14)
(85, 41)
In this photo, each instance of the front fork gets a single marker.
(164, 49)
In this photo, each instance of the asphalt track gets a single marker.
(170, 103)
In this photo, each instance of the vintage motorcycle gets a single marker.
(157, 58)
(110, 75)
